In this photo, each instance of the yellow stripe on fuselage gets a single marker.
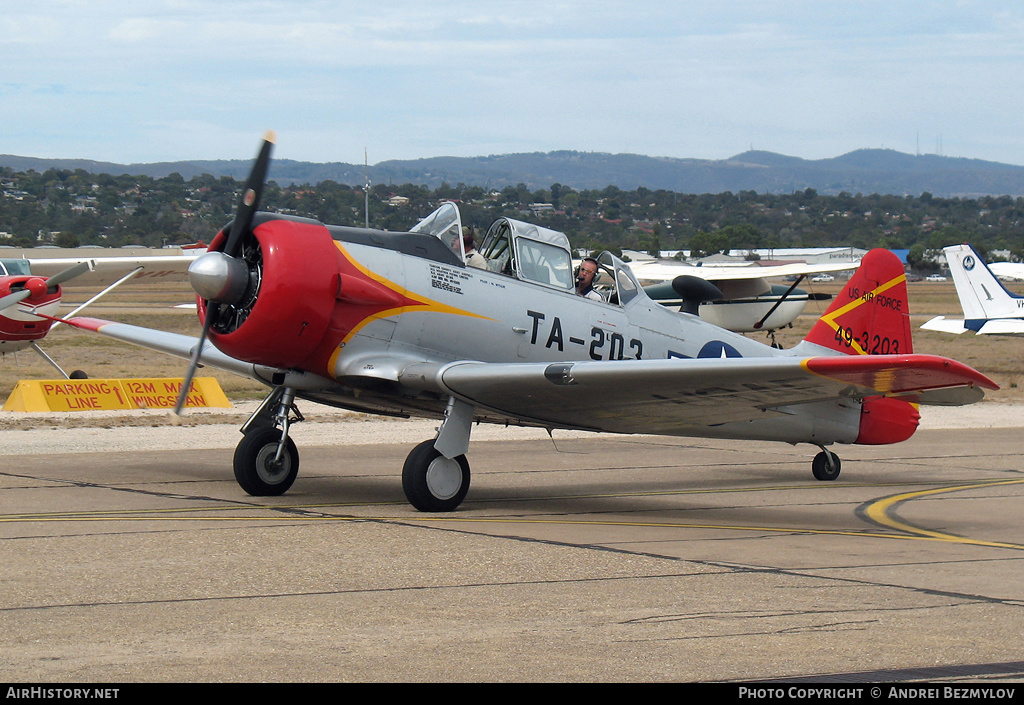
(416, 303)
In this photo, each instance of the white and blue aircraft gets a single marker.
(989, 308)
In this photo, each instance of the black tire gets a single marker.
(253, 463)
(821, 468)
(433, 483)
(78, 374)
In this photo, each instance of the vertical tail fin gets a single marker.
(870, 316)
(982, 296)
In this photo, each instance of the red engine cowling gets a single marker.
(17, 325)
(298, 282)
(885, 420)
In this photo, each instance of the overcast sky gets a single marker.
(166, 80)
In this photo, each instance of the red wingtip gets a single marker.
(86, 323)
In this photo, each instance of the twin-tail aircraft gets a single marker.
(989, 308)
(30, 292)
(397, 324)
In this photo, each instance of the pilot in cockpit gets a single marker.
(473, 258)
(585, 275)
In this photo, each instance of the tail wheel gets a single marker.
(432, 482)
(826, 466)
(255, 468)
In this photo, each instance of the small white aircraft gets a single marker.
(748, 302)
(1007, 271)
(989, 309)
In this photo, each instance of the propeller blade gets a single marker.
(212, 309)
(250, 200)
(70, 273)
(15, 298)
(247, 207)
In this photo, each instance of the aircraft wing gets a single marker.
(1007, 270)
(661, 271)
(162, 341)
(107, 270)
(644, 396)
(664, 396)
(735, 282)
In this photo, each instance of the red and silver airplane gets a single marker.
(30, 292)
(397, 324)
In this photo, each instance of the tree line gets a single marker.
(75, 208)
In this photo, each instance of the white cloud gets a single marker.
(704, 78)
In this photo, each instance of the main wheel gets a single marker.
(432, 482)
(255, 469)
(823, 469)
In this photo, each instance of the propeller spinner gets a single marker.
(218, 277)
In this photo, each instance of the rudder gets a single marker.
(871, 315)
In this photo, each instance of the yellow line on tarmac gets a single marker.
(114, 514)
(879, 513)
(435, 519)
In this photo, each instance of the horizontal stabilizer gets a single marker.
(942, 324)
(1003, 326)
(907, 376)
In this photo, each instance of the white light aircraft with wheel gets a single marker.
(989, 308)
(397, 324)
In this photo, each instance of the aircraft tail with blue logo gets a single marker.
(989, 309)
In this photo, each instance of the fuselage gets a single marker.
(360, 308)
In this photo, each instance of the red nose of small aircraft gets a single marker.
(36, 286)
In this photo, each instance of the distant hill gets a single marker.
(865, 171)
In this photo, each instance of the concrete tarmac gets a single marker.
(583, 559)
